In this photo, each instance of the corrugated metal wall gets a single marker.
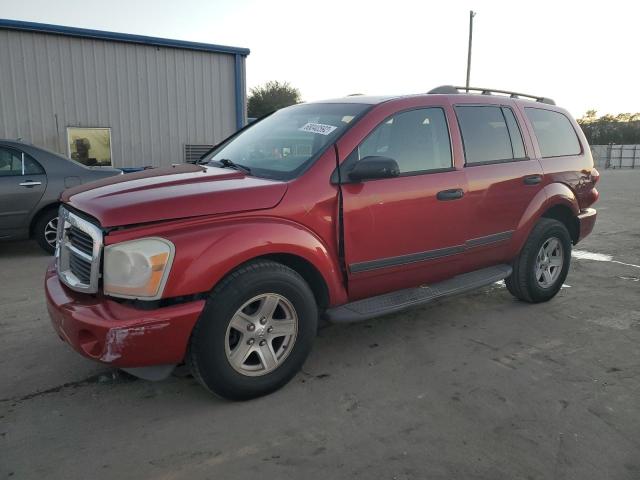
(154, 99)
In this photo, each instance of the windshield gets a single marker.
(282, 145)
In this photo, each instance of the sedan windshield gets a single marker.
(282, 145)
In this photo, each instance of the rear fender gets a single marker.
(206, 253)
(550, 196)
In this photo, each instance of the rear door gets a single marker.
(503, 177)
(398, 231)
(22, 184)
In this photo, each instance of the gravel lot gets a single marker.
(480, 386)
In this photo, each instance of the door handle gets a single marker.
(452, 194)
(532, 179)
(29, 183)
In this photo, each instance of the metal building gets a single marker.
(111, 98)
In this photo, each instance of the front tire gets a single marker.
(255, 332)
(542, 266)
(45, 230)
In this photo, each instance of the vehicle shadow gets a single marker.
(21, 248)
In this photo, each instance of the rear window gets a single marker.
(555, 134)
(489, 134)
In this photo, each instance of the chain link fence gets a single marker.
(616, 156)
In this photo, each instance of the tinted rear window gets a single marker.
(514, 133)
(486, 136)
(556, 136)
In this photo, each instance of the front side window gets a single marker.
(489, 134)
(555, 134)
(282, 145)
(10, 163)
(418, 140)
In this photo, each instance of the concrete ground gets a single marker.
(480, 386)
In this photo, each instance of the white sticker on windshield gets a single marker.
(317, 128)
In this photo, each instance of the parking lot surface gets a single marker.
(479, 386)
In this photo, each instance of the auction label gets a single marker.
(317, 128)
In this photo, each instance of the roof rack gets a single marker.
(452, 90)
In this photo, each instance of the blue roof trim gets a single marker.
(119, 37)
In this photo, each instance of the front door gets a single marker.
(22, 184)
(403, 231)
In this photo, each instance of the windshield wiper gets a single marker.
(226, 163)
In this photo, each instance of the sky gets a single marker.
(583, 54)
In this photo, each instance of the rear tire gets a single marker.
(543, 263)
(255, 332)
(45, 230)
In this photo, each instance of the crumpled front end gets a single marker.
(116, 333)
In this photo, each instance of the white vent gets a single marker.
(192, 153)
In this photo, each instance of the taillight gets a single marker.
(588, 194)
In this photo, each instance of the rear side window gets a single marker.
(489, 134)
(31, 167)
(10, 163)
(555, 134)
(514, 133)
(417, 139)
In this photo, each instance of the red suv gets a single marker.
(349, 208)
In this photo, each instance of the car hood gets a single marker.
(170, 193)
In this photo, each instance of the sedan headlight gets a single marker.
(138, 268)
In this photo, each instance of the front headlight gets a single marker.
(138, 268)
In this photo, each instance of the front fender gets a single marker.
(550, 196)
(207, 252)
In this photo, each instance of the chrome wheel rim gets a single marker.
(261, 334)
(549, 262)
(51, 231)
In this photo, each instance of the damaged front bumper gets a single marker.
(117, 334)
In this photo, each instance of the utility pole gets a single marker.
(471, 15)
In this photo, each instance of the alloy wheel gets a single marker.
(549, 262)
(51, 231)
(261, 334)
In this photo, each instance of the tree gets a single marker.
(622, 129)
(588, 117)
(270, 97)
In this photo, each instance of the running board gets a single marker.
(412, 297)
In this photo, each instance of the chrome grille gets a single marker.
(78, 252)
(80, 268)
(80, 240)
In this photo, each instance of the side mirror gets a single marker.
(374, 167)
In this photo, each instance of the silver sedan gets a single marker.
(31, 181)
